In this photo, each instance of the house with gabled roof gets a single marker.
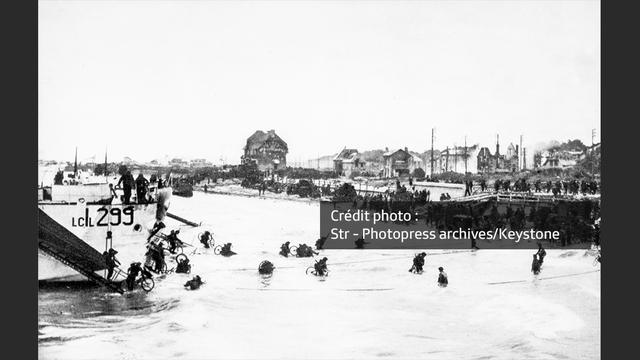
(347, 161)
(267, 150)
(400, 162)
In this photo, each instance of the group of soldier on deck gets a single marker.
(140, 184)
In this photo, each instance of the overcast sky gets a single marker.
(194, 79)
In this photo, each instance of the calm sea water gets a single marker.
(369, 307)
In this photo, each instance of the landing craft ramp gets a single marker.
(64, 246)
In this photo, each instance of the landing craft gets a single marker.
(89, 211)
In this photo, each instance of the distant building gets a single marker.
(197, 163)
(128, 161)
(348, 161)
(437, 165)
(561, 159)
(177, 162)
(492, 163)
(565, 155)
(418, 162)
(485, 161)
(267, 150)
(459, 159)
(323, 163)
(400, 162)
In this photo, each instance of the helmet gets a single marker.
(324, 258)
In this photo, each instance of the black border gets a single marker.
(619, 140)
(19, 225)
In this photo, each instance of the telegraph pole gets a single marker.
(519, 155)
(497, 150)
(446, 167)
(593, 136)
(465, 154)
(455, 158)
(431, 154)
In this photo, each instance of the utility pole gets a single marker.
(593, 136)
(446, 167)
(519, 155)
(455, 158)
(465, 154)
(431, 154)
(497, 151)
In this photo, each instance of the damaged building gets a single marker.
(267, 150)
(400, 162)
(347, 161)
(492, 163)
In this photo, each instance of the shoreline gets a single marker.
(237, 190)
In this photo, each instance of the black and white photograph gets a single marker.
(319, 179)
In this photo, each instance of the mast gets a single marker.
(106, 173)
(75, 165)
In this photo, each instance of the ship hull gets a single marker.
(129, 226)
